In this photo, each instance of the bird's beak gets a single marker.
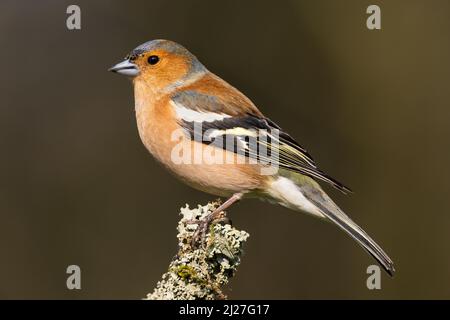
(126, 67)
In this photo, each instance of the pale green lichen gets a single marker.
(200, 273)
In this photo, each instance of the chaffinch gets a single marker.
(215, 139)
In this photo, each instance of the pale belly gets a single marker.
(210, 174)
(222, 179)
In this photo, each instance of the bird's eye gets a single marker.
(153, 60)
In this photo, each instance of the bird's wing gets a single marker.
(206, 119)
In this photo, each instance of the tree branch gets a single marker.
(200, 273)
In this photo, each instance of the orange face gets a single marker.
(157, 64)
(159, 68)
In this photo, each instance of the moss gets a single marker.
(185, 272)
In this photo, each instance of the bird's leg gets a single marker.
(204, 224)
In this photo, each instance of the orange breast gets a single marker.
(205, 168)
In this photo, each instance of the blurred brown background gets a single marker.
(78, 187)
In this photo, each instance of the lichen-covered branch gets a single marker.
(200, 273)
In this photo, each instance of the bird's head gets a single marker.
(159, 63)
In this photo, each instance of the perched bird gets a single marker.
(215, 139)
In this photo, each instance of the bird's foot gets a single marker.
(199, 236)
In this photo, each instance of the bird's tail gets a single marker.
(304, 194)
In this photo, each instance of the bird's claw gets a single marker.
(203, 225)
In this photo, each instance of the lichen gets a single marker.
(199, 272)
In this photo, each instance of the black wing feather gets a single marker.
(292, 156)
